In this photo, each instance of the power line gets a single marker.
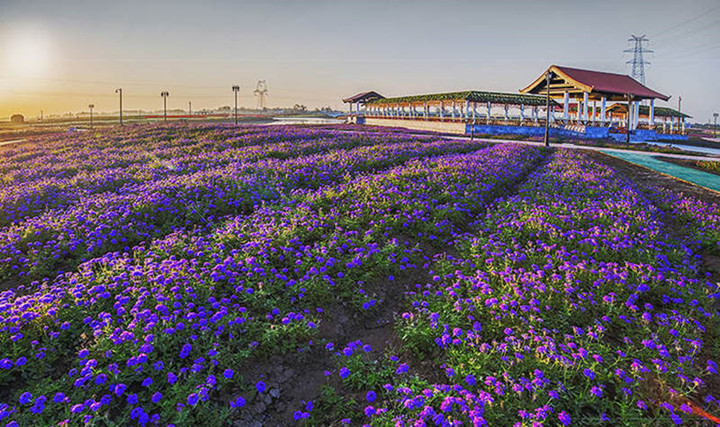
(671, 28)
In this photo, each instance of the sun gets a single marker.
(28, 53)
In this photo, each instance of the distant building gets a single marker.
(17, 118)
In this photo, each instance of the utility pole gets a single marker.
(91, 106)
(189, 108)
(548, 76)
(715, 115)
(120, 92)
(164, 95)
(680, 104)
(41, 115)
(236, 89)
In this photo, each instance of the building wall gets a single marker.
(445, 127)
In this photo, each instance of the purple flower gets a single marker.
(83, 353)
(156, 397)
(369, 411)
(120, 389)
(77, 408)
(192, 399)
(59, 397)
(132, 399)
(564, 418)
(238, 403)
(228, 373)
(370, 396)
(25, 398)
(147, 382)
(344, 372)
(260, 386)
(402, 368)
(185, 351)
(589, 373)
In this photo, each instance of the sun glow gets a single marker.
(28, 53)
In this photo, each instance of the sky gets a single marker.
(61, 56)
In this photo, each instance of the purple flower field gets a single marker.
(223, 275)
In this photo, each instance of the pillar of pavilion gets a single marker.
(586, 87)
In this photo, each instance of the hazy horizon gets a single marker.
(61, 56)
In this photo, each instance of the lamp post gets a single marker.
(120, 92)
(548, 76)
(629, 118)
(91, 106)
(164, 95)
(236, 89)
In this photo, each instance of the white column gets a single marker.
(637, 114)
(651, 119)
(566, 106)
(585, 106)
(467, 109)
(594, 111)
(506, 113)
(474, 111)
(522, 113)
(535, 114)
(682, 120)
(489, 108)
(453, 110)
(442, 110)
(603, 110)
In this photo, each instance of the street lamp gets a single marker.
(548, 76)
(164, 96)
(91, 106)
(120, 92)
(236, 89)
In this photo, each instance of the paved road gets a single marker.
(14, 141)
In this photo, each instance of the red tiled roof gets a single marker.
(610, 83)
(364, 96)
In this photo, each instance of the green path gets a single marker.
(703, 179)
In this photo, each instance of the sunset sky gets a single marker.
(60, 56)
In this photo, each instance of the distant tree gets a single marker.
(299, 107)
(225, 108)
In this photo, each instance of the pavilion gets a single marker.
(585, 86)
(594, 104)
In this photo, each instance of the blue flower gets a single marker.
(59, 397)
(25, 398)
(344, 372)
(238, 403)
(120, 388)
(147, 382)
(228, 373)
(192, 399)
(260, 386)
(564, 418)
(370, 396)
(156, 397)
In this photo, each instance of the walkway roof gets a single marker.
(364, 97)
(645, 111)
(575, 80)
(470, 95)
